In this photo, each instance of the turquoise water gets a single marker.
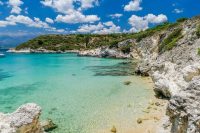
(80, 94)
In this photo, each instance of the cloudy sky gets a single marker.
(20, 17)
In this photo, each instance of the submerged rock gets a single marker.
(139, 120)
(127, 82)
(113, 130)
(48, 125)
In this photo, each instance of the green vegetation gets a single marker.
(198, 31)
(71, 42)
(170, 42)
(126, 49)
(91, 41)
(198, 51)
(149, 32)
(181, 20)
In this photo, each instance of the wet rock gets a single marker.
(139, 120)
(113, 130)
(48, 125)
(127, 82)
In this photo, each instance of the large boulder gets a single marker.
(24, 120)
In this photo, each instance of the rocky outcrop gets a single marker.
(39, 50)
(184, 109)
(104, 53)
(176, 74)
(48, 125)
(24, 120)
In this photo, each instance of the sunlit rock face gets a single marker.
(24, 120)
(176, 74)
(184, 109)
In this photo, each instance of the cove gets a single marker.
(80, 94)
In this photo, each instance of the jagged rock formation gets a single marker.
(176, 73)
(24, 120)
(184, 109)
(104, 53)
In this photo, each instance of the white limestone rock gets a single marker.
(24, 120)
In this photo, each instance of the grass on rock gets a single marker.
(170, 42)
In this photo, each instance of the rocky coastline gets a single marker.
(40, 50)
(176, 75)
(99, 52)
(175, 72)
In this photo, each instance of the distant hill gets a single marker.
(12, 41)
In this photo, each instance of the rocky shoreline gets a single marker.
(176, 74)
(99, 52)
(175, 70)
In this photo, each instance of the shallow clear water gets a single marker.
(72, 92)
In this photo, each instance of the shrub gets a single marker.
(40, 42)
(198, 31)
(113, 44)
(149, 32)
(170, 41)
(198, 51)
(181, 20)
(126, 49)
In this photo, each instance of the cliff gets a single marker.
(172, 59)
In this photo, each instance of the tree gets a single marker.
(40, 42)
(87, 40)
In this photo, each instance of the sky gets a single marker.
(34, 17)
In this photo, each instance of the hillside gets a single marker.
(91, 41)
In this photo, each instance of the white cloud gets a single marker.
(116, 15)
(71, 13)
(67, 6)
(100, 28)
(177, 11)
(138, 23)
(77, 17)
(85, 4)
(133, 5)
(141, 23)
(49, 20)
(5, 23)
(15, 4)
(61, 6)
(151, 18)
(25, 20)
